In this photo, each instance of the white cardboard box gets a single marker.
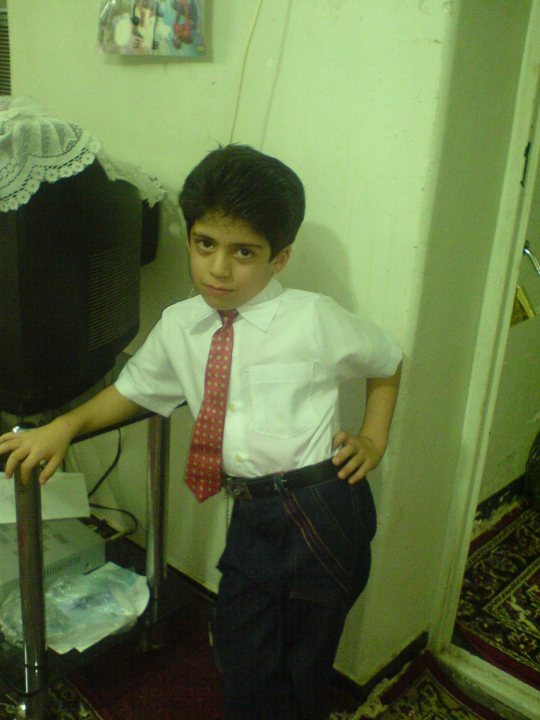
(63, 496)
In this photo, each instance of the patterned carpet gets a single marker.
(499, 612)
(423, 692)
(65, 703)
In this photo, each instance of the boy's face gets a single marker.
(230, 263)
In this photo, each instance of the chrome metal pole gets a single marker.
(158, 480)
(30, 546)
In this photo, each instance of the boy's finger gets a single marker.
(342, 455)
(6, 444)
(12, 462)
(347, 446)
(25, 470)
(354, 464)
(48, 469)
(339, 439)
(24, 460)
(357, 477)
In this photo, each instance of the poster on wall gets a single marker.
(173, 28)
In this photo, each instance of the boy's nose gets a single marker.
(221, 266)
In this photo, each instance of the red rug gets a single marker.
(499, 611)
(424, 692)
(179, 682)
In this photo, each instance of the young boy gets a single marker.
(298, 547)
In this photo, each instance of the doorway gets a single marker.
(498, 361)
(497, 615)
(517, 406)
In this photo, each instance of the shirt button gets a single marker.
(231, 407)
(238, 458)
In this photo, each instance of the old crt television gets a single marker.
(69, 289)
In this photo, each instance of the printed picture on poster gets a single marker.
(173, 28)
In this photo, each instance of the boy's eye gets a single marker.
(204, 243)
(245, 252)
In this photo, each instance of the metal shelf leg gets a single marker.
(158, 480)
(30, 546)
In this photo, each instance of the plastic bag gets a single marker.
(81, 610)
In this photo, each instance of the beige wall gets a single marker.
(396, 115)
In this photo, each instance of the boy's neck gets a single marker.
(271, 290)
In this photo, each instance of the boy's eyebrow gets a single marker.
(204, 236)
(248, 245)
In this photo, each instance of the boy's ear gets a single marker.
(281, 259)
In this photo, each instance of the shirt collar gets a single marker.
(259, 311)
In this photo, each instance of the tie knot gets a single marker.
(227, 317)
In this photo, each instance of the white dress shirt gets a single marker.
(291, 349)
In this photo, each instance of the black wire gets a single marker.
(111, 466)
(102, 480)
(124, 512)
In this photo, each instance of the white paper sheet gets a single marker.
(63, 496)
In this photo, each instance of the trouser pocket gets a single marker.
(334, 523)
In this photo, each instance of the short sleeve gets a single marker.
(148, 378)
(353, 346)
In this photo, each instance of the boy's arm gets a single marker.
(359, 454)
(48, 445)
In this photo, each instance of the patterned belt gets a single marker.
(279, 483)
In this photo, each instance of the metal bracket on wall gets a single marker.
(532, 257)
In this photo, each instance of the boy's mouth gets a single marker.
(216, 291)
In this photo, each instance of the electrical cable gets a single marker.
(132, 517)
(102, 480)
(111, 466)
(243, 68)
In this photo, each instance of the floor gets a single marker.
(180, 681)
(497, 580)
(133, 685)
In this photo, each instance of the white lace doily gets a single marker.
(36, 148)
(148, 186)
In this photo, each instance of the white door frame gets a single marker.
(499, 290)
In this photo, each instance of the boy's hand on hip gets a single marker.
(357, 456)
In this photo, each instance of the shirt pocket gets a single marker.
(281, 398)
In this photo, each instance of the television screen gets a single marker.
(69, 288)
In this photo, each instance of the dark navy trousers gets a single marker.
(293, 565)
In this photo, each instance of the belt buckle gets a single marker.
(237, 489)
(281, 485)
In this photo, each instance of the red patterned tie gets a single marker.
(203, 472)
